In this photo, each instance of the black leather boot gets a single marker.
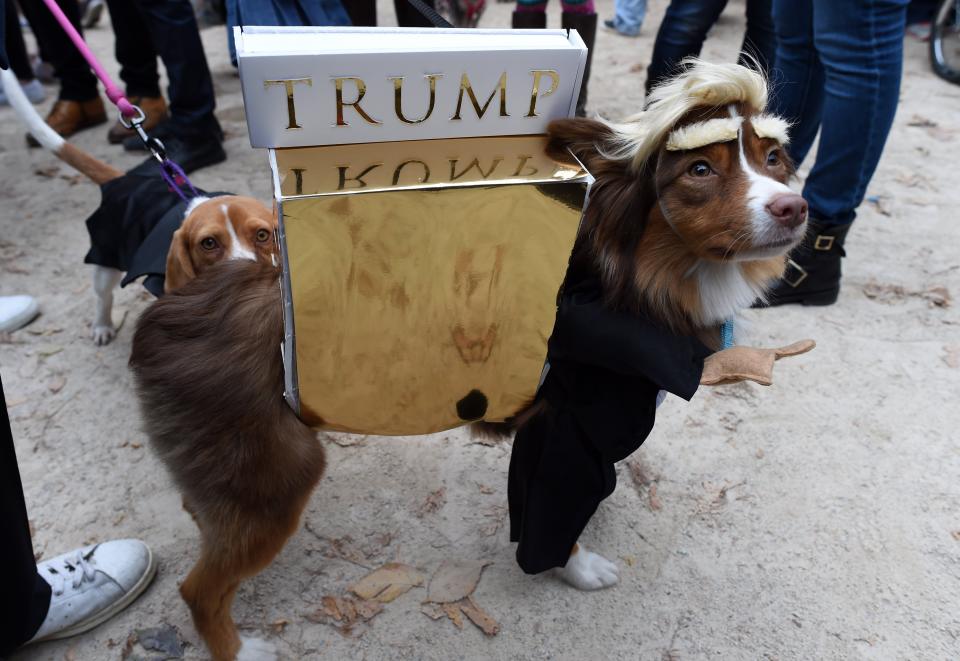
(813, 270)
(529, 20)
(586, 25)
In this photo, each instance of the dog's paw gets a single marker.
(103, 334)
(256, 649)
(589, 571)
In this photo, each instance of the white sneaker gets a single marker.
(33, 89)
(92, 584)
(16, 312)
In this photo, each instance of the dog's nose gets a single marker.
(789, 209)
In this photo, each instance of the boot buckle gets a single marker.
(802, 274)
(823, 242)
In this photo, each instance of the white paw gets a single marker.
(589, 571)
(256, 649)
(103, 334)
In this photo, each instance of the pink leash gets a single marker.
(130, 115)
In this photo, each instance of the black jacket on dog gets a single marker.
(132, 228)
(606, 369)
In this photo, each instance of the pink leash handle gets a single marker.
(113, 92)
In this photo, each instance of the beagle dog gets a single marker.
(132, 228)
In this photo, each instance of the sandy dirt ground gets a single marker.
(818, 518)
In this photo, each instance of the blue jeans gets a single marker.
(628, 16)
(838, 70)
(284, 12)
(685, 27)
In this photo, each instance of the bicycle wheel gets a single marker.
(945, 41)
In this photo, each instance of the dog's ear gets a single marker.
(586, 138)
(620, 201)
(180, 269)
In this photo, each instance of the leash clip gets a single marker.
(153, 145)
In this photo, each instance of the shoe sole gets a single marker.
(108, 612)
(819, 299)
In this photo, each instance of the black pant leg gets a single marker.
(682, 32)
(133, 47)
(409, 17)
(77, 82)
(760, 40)
(24, 595)
(16, 48)
(176, 36)
(363, 13)
(556, 482)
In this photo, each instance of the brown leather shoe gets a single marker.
(154, 107)
(68, 117)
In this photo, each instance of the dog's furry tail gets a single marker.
(84, 163)
(501, 431)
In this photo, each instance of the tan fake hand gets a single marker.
(748, 363)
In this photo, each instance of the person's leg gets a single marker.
(16, 48)
(176, 37)
(760, 40)
(628, 17)
(191, 135)
(24, 595)
(682, 32)
(133, 47)
(581, 16)
(134, 50)
(363, 13)
(797, 76)
(860, 47)
(409, 17)
(77, 83)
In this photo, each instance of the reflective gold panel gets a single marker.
(417, 307)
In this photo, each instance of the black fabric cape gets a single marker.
(605, 370)
(132, 228)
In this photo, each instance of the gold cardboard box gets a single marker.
(420, 278)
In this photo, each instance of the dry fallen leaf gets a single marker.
(937, 296)
(455, 612)
(433, 611)
(434, 502)
(344, 612)
(952, 357)
(455, 580)
(56, 384)
(654, 499)
(956, 535)
(479, 617)
(388, 582)
(279, 625)
(640, 473)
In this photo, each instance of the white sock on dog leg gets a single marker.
(256, 649)
(586, 570)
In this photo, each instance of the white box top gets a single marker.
(310, 86)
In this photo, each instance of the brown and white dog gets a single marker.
(225, 227)
(689, 219)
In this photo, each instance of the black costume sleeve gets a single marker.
(588, 332)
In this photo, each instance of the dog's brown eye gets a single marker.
(700, 169)
(773, 158)
(209, 243)
(262, 235)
